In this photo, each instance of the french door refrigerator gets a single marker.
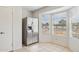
(30, 31)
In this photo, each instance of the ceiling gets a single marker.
(32, 8)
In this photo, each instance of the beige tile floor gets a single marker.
(43, 47)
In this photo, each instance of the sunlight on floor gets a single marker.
(43, 47)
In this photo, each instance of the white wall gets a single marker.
(18, 14)
(17, 27)
(26, 13)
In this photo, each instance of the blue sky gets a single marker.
(75, 19)
(45, 19)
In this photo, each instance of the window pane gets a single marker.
(75, 27)
(45, 24)
(59, 23)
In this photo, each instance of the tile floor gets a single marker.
(43, 47)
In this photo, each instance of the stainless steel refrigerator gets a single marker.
(30, 32)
